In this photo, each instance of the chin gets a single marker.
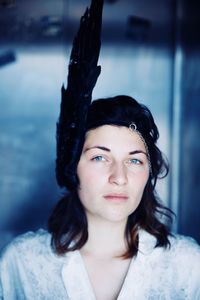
(116, 217)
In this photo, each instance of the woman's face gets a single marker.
(113, 171)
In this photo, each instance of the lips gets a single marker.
(116, 197)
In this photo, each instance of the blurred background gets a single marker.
(150, 50)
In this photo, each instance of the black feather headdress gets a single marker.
(82, 76)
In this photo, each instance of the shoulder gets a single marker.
(28, 257)
(177, 266)
(184, 246)
(181, 257)
(183, 253)
(26, 245)
(184, 256)
(29, 268)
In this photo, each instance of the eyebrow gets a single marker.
(137, 151)
(98, 147)
(108, 150)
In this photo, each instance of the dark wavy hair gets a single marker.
(68, 223)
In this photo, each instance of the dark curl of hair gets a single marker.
(68, 223)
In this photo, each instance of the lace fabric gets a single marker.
(29, 269)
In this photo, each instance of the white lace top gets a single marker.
(29, 269)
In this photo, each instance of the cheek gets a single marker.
(92, 173)
(139, 181)
(86, 176)
(90, 182)
(89, 185)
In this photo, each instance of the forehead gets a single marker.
(114, 137)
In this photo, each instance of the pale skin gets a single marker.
(113, 171)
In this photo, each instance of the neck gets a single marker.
(105, 239)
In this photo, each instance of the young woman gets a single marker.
(108, 237)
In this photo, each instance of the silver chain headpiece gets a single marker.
(133, 128)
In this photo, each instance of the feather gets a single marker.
(83, 73)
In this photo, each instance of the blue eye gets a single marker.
(135, 161)
(98, 158)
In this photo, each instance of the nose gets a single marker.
(118, 174)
